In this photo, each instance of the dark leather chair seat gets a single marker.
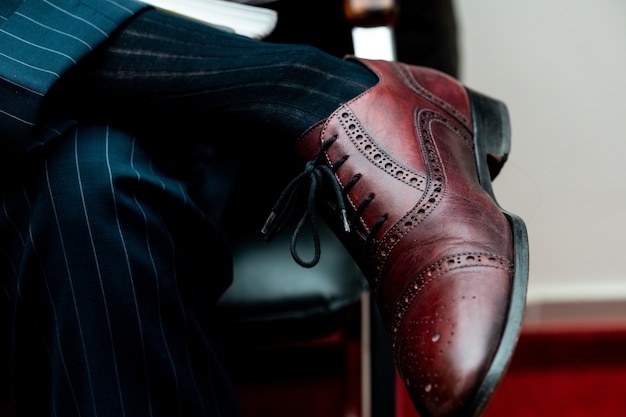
(275, 300)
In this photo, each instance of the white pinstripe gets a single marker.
(70, 279)
(178, 296)
(69, 35)
(158, 290)
(87, 22)
(97, 265)
(130, 274)
(95, 251)
(67, 57)
(25, 243)
(10, 81)
(17, 118)
(31, 239)
(43, 48)
(27, 64)
(120, 6)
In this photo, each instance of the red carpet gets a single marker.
(565, 370)
(559, 370)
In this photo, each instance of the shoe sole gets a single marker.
(492, 144)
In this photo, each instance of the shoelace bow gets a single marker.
(315, 173)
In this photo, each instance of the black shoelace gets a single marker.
(315, 174)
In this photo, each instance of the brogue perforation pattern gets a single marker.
(377, 156)
(437, 270)
(409, 80)
(436, 332)
(436, 188)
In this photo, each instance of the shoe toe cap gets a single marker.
(447, 339)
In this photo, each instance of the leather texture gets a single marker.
(433, 244)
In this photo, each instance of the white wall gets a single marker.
(560, 66)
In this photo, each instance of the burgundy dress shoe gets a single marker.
(404, 172)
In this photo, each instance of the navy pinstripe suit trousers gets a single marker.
(109, 299)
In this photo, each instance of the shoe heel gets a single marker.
(492, 136)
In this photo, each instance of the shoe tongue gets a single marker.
(308, 145)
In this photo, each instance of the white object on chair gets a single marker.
(374, 42)
(243, 19)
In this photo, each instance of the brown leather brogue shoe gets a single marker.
(410, 162)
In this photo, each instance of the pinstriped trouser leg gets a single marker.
(110, 268)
